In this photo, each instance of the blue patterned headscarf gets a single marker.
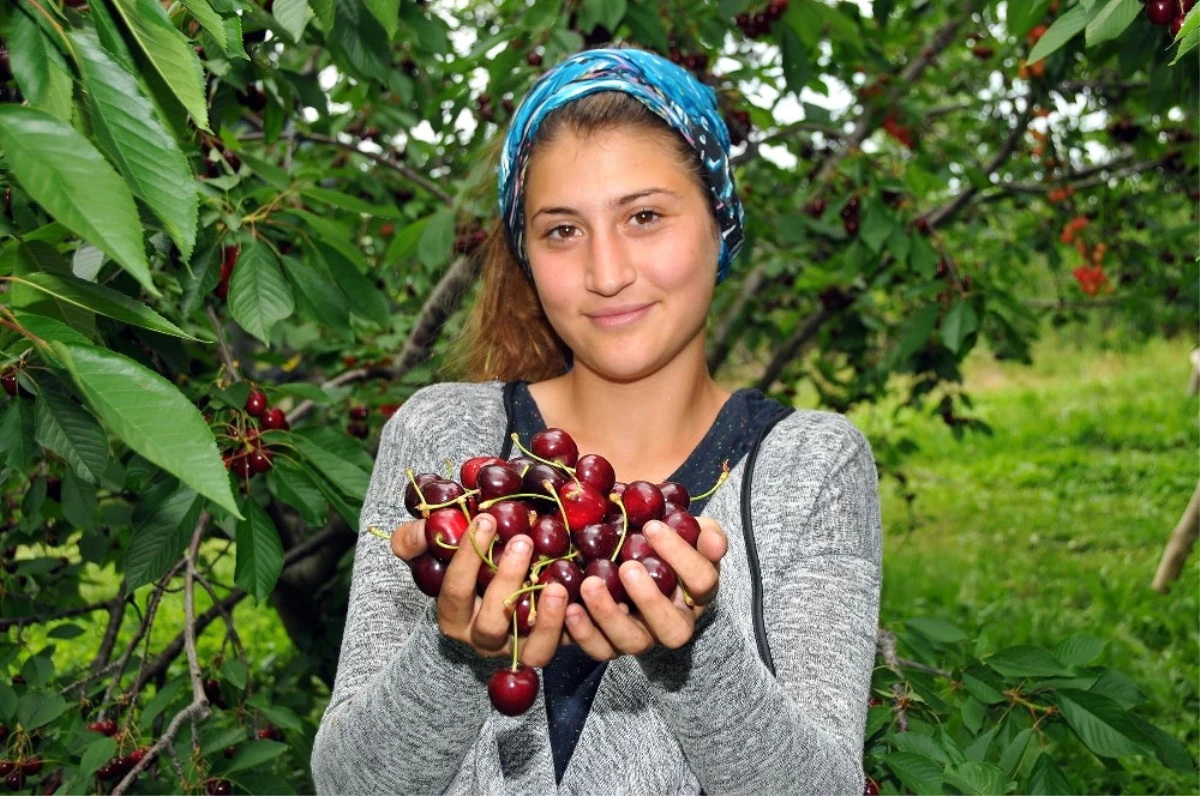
(671, 92)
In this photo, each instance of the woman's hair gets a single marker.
(506, 335)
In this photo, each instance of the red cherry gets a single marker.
(429, 573)
(523, 609)
(230, 751)
(471, 467)
(537, 473)
(1175, 26)
(358, 429)
(6, 766)
(497, 480)
(1161, 12)
(685, 525)
(513, 691)
(256, 403)
(358, 413)
(678, 494)
(512, 518)
(32, 765)
(567, 573)
(607, 571)
(412, 500)
(275, 419)
(447, 525)
(260, 460)
(643, 502)
(15, 780)
(870, 787)
(596, 541)
(533, 59)
(596, 470)
(218, 787)
(9, 380)
(108, 727)
(137, 755)
(105, 772)
(635, 548)
(662, 575)
(485, 577)
(550, 537)
(555, 445)
(582, 503)
(441, 491)
(241, 467)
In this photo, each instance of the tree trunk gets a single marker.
(1183, 538)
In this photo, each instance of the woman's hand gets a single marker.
(485, 623)
(609, 631)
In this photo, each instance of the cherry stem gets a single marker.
(486, 558)
(449, 469)
(516, 636)
(413, 479)
(716, 486)
(511, 599)
(620, 501)
(550, 488)
(379, 533)
(687, 598)
(517, 441)
(461, 500)
(487, 504)
(437, 540)
(536, 571)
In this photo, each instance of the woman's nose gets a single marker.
(610, 266)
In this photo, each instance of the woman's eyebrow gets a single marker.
(624, 200)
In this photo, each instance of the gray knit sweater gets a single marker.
(410, 712)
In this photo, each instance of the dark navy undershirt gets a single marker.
(571, 679)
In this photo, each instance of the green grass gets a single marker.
(1056, 523)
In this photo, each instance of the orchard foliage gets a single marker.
(236, 236)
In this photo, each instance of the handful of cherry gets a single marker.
(581, 520)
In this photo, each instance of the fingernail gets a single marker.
(652, 529)
(572, 618)
(635, 573)
(519, 546)
(484, 522)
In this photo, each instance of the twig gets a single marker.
(230, 630)
(1107, 172)
(199, 706)
(226, 357)
(88, 678)
(116, 616)
(885, 643)
(65, 613)
(352, 146)
(920, 667)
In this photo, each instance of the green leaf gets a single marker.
(917, 773)
(358, 41)
(259, 297)
(67, 429)
(255, 754)
(292, 485)
(160, 537)
(38, 709)
(977, 779)
(16, 430)
(1026, 661)
(1010, 758)
(293, 16)
(1112, 21)
(314, 289)
(365, 300)
(79, 502)
(66, 632)
(1118, 686)
(97, 754)
(796, 67)
(283, 717)
(387, 12)
(921, 745)
(50, 329)
(234, 671)
(160, 701)
(103, 300)
(8, 701)
(347, 202)
(170, 53)
(1047, 779)
(209, 19)
(346, 476)
(405, 243)
(259, 552)
(1102, 724)
(978, 687)
(916, 332)
(130, 131)
(973, 713)
(151, 416)
(65, 174)
(1078, 650)
(960, 322)
(1189, 34)
(1021, 17)
(437, 239)
(1171, 752)
(1066, 27)
(39, 68)
(348, 510)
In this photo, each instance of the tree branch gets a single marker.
(885, 644)
(65, 613)
(226, 357)
(116, 615)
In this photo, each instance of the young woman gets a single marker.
(618, 216)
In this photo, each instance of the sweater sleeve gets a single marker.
(800, 730)
(408, 702)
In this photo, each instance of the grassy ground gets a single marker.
(1055, 525)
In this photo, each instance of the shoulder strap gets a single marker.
(510, 388)
(760, 629)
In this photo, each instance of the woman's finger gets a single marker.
(697, 575)
(713, 543)
(543, 641)
(493, 622)
(621, 630)
(587, 636)
(408, 540)
(456, 602)
(670, 625)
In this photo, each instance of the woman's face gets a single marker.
(616, 224)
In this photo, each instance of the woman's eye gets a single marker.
(645, 218)
(565, 228)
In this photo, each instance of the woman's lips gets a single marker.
(622, 318)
